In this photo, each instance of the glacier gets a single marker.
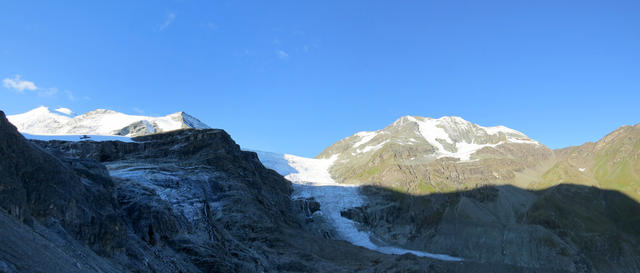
(310, 178)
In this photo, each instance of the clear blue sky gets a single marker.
(296, 76)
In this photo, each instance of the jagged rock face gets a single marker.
(76, 193)
(197, 193)
(611, 163)
(423, 155)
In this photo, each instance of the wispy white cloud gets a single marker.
(170, 17)
(18, 84)
(64, 110)
(282, 54)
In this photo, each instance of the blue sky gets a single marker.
(296, 76)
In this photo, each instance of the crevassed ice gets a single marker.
(311, 178)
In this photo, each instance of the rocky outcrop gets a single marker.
(194, 194)
(77, 194)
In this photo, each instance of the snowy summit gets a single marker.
(42, 121)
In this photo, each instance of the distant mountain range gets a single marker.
(42, 121)
(413, 154)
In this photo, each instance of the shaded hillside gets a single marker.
(564, 228)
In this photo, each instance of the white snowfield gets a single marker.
(311, 178)
(77, 137)
(447, 130)
(41, 121)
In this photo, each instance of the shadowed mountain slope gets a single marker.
(568, 228)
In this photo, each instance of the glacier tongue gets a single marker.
(311, 178)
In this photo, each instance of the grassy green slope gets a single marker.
(611, 163)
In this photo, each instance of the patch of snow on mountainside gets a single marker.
(431, 132)
(365, 137)
(434, 131)
(41, 121)
(498, 129)
(370, 148)
(311, 178)
(465, 150)
(512, 135)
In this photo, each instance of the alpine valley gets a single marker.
(110, 192)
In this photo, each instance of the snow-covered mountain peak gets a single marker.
(42, 121)
(453, 129)
(449, 136)
(101, 112)
(38, 118)
(40, 109)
